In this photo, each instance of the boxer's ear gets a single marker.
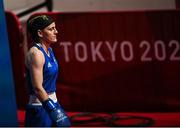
(39, 32)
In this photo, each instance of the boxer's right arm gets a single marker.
(36, 62)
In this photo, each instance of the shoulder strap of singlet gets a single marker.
(49, 49)
(40, 48)
(37, 46)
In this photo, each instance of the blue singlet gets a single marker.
(36, 116)
(50, 72)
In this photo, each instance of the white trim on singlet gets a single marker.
(33, 100)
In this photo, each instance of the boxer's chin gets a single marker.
(54, 41)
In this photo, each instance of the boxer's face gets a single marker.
(49, 34)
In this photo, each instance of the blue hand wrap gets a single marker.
(56, 113)
(49, 105)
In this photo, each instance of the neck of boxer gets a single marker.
(45, 46)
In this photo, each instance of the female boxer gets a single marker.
(43, 108)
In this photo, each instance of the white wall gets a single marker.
(94, 5)
(20, 4)
(112, 5)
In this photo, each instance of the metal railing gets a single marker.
(46, 3)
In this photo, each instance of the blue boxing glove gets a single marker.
(56, 113)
